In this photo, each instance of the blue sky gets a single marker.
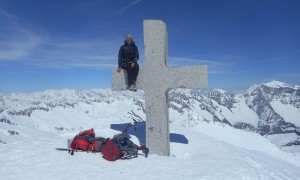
(46, 44)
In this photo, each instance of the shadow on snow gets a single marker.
(140, 132)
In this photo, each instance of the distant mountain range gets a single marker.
(270, 109)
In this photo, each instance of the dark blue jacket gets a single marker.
(128, 53)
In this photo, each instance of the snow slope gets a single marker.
(203, 146)
(290, 113)
(213, 151)
(206, 156)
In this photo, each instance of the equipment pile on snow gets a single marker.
(119, 147)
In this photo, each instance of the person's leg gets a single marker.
(135, 72)
(129, 74)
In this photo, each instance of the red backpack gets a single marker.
(86, 141)
(83, 140)
(111, 151)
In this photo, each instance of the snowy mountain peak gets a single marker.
(219, 91)
(273, 86)
(276, 84)
(253, 88)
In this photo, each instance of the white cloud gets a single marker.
(129, 6)
(19, 48)
(6, 15)
(46, 51)
(214, 67)
(291, 75)
(76, 54)
(18, 43)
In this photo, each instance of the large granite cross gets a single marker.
(155, 78)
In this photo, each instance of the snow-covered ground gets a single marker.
(212, 152)
(290, 113)
(200, 149)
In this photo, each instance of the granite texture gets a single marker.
(156, 79)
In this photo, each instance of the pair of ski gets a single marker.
(77, 150)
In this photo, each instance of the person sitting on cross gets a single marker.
(127, 60)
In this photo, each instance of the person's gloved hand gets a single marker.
(119, 69)
(132, 65)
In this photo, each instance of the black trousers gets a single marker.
(132, 73)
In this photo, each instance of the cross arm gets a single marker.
(188, 77)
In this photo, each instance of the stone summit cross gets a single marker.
(156, 79)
